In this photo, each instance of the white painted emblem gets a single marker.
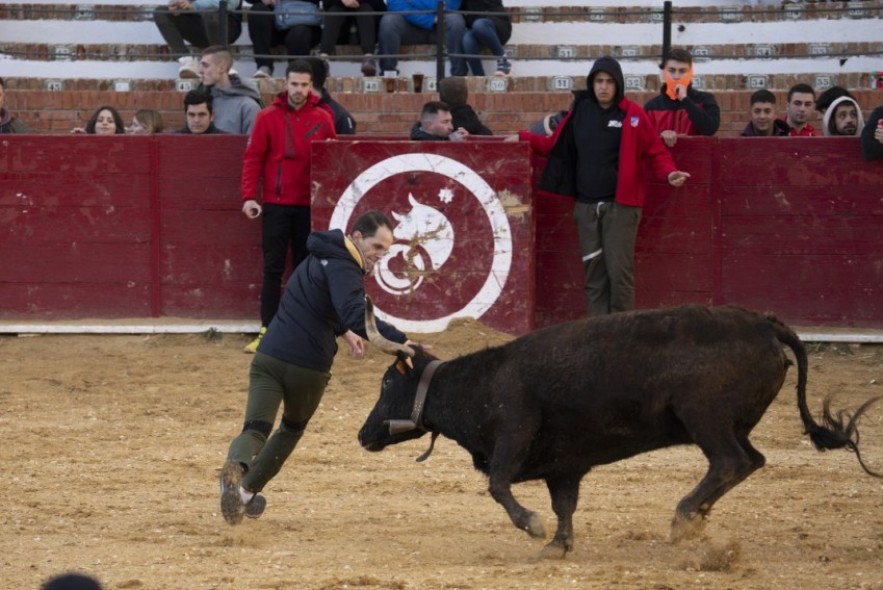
(422, 234)
(427, 227)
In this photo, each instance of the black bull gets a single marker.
(554, 403)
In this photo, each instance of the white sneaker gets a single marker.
(263, 72)
(189, 67)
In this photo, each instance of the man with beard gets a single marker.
(843, 117)
(277, 160)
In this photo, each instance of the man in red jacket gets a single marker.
(596, 156)
(277, 159)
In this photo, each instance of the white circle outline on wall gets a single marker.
(502, 233)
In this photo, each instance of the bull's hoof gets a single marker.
(686, 527)
(553, 551)
(535, 526)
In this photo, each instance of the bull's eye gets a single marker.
(386, 383)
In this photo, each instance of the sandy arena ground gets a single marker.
(113, 446)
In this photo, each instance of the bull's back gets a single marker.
(615, 386)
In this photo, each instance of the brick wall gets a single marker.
(58, 112)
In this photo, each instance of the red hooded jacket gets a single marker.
(278, 151)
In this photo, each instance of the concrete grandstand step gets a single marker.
(116, 41)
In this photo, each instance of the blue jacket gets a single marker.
(424, 21)
(324, 298)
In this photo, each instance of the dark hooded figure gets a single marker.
(596, 156)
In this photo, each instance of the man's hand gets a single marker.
(513, 137)
(669, 137)
(878, 132)
(678, 178)
(356, 346)
(351, 3)
(270, 3)
(459, 134)
(681, 91)
(252, 209)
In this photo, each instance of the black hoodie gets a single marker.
(324, 298)
(596, 133)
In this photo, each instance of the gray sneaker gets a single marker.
(232, 507)
(256, 506)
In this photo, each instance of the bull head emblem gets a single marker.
(424, 242)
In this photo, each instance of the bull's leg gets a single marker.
(506, 461)
(731, 459)
(565, 493)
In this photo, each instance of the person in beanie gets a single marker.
(453, 92)
(680, 109)
(596, 156)
(324, 299)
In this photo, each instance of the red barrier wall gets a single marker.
(139, 227)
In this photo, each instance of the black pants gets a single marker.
(332, 24)
(284, 227)
(298, 40)
(200, 29)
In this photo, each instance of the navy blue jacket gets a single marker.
(324, 298)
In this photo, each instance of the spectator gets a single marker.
(71, 581)
(235, 103)
(277, 159)
(344, 124)
(491, 31)
(198, 114)
(680, 109)
(299, 33)
(197, 23)
(435, 124)
(104, 121)
(454, 93)
(800, 107)
(763, 121)
(366, 24)
(324, 299)
(843, 117)
(146, 122)
(597, 156)
(872, 136)
(8, 123)
(398, 29)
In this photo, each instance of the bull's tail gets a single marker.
(837, 430)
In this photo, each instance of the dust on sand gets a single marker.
(113, 446)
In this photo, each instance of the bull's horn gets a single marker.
(376, 338)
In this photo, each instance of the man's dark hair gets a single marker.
(369, 222)
(801, 88)
(763, 95)
(195, 97)
(2, 83)
(117, 119)
(319, 69)
(679, 54)
(300, 66)
(433, 107)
